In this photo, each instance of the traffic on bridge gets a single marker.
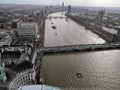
(83, 47)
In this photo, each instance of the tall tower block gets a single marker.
(69, 9)
(62, 7)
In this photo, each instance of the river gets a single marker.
(100, 70)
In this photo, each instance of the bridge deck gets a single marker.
(83, 47)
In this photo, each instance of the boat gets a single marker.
(54, 27)
(56, 34)
(79, 75)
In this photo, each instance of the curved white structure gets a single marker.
(22, 79)
(38, 87)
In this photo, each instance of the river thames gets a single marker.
(100, 69)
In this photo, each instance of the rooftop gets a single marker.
(3, 35)
(112, 31)
(27, 27)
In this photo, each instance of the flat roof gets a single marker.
(27, 28)
(112, 31)
(3, 35)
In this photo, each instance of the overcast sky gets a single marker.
(108, 3)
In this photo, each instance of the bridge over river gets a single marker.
(39, 53)
(71, 48)
(60, 70)
(82, 47)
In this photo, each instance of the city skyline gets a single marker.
(94, 3)
(59, 44)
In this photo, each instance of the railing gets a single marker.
(56, 17)
(83, 47)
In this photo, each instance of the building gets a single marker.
(99, 17)
(8, 25)
(5, 39)
(62, 7)
(27, 31)
(69, 9)
(15, 23)
(11, 56)
(2, 74)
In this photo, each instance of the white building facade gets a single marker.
(27, 31)
(5, 40)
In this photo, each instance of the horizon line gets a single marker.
(57, 4)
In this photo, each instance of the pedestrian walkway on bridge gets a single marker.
(83, 47)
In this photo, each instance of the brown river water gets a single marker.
(100, 70)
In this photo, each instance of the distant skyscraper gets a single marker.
(14, 25)
(62, 7)
(69, 9)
